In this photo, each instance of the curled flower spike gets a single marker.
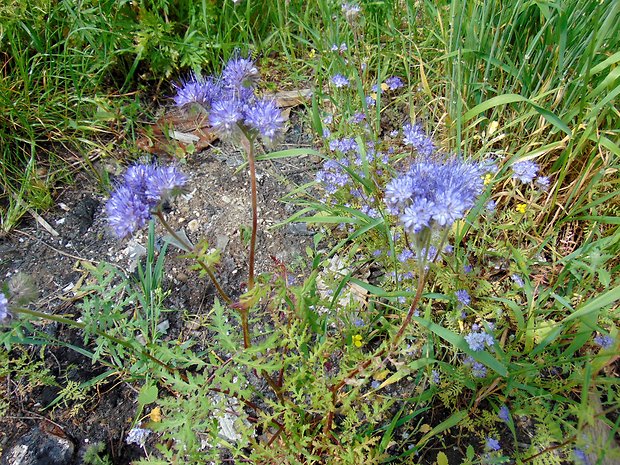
(225, 114)
(144, 188)
(525, 171)
(434, 194)
(196, 89)
(266, 118)
(240, 72)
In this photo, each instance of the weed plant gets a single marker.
(461, 294)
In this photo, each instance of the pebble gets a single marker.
(39, 448)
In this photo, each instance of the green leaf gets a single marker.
(596, 304)
(442, 459)
(148, 394)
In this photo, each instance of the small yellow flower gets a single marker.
(357, 340)
(155, 415)
(487, 179)
(492, 127)
(522, 207)
(312, 53)
(384, 87)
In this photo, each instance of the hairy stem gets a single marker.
(248, 145)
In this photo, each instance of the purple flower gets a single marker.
(339, 80)
(435, 377)
(370, 101)
(477, 368)
(504, 414)
(434, 193)
(225, 114)
(164, 181)
(196, 89)
(492, 444)
(525, 171)
(477, 340)
(332, 176)
(581, 458)
(467, 268)
(604, 341)
(266, 118)
(415, 136)
(394, 82)
(463, 297)
(518, 280)
(350, 10)
(417, 216)
(240, 73)
(143, 188)
(342, 48)
(4, 308)
(358, 118)
(137, 436)
(127, 211)
(137, 176)
(542, 182)
(405, 256)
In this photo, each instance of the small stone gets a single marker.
(39, 448)
(299, 229)
(193, 225)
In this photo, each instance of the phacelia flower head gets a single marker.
(504, 414)
(127, 211)
(138, 436)
(143, 188)
(196, 89)
(542, 182)
(266, 118)
(604, 341)
(338, 80)
(477, 368)
(4, 308)
(477, 340)
(394, 82)
(492, 444)
(350, 10)
(415, 136)
(434, 193)
(239, 73)
(225, 114)
(463, 297)
(164, 182)
(525, 171)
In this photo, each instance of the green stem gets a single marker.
(414, 305)
(188, 248)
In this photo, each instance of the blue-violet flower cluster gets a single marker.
(478, 339)
(415, 136)
(231, 102)
(143, 188)
(434, 193)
